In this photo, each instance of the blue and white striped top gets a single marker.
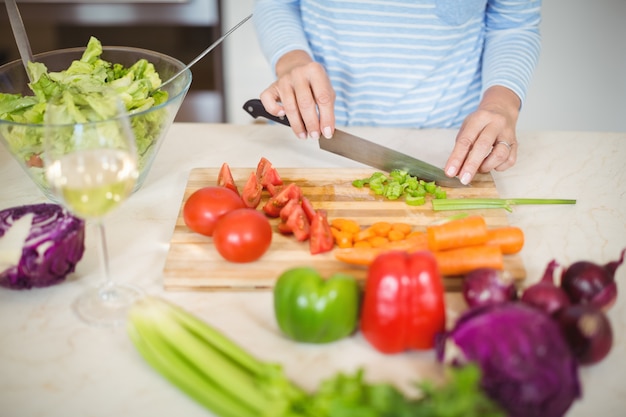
(407, 63)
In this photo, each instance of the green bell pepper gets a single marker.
(309, 308)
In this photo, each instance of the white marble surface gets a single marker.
(51, 364)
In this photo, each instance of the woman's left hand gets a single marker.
(486, 139)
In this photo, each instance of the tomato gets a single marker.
(268, 176)
(206, 205)
(225, 178)
(298, 223)
(242, 235)
(275, 203)
(321, 237)
(308, 208)
(252, 191)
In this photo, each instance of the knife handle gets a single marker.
(256, 109)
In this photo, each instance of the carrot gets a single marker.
(365, 234)
(362, 244)
(395, 235)
(381, 228)
(378, 241)
(346, 225)
(510, 239)
(342, 238)
(358, 255)
(460, 261)
(457, 233)
(403, 228)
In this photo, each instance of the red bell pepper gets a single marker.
(403, 305)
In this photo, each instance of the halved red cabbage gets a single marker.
(527, 365)
(54, 245)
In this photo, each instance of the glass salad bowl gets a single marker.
(150, 119)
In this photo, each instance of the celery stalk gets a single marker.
(178, 371)
(488, 203)
(206, 365)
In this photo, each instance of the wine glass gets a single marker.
(91, 166)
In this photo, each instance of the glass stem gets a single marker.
(104, 261)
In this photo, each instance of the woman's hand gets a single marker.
(487, 137)
(303, 93)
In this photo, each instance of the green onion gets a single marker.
(489, 203)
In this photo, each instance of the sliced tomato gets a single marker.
(268, 175)
(275, 203)
(225, 178)
(285, 212)
(308, 208)
(252, 191)
(321, 237)
(299, 224)
(272, 189)
(284, 228)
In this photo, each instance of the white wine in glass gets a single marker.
(91, 166)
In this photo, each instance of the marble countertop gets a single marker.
(51, 364)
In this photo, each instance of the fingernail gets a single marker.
(451, 171)
(302, 135)
(466, 178)
(281, 113)
(314, 135)
(328, 132)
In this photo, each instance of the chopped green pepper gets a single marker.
(312, 309)
(398, 184)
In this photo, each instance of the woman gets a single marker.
(405, 63)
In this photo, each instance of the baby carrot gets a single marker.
(468, 231)
(460, 261)
(510, 239)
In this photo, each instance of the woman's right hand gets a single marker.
(302, 92)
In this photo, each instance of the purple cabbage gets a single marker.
(55, 244)
(527, 366)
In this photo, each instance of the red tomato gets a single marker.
(206, 205)
(268, 176)
(225, 178)
(275, 203)
(251, 194)
(242, 235)
(321, 237)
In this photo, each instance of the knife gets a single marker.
(366, 152)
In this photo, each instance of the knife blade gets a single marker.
(367, 152)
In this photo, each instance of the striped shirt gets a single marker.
(407, 63)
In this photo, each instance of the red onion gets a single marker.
(587, 331)
(545, 294)
(589, 283)
(486, 286)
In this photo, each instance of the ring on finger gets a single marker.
(508, 145)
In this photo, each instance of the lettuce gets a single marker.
(81, 87)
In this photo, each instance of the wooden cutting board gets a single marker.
(193, 264)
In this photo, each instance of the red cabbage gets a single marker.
(54, 245)
(527, 366)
